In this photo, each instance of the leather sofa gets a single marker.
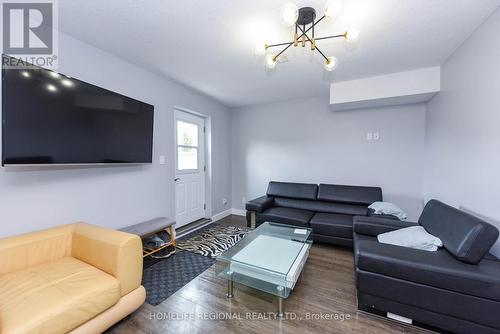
(76, 278)
(456, 288)
(328, 209)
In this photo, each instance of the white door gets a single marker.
(189, 168)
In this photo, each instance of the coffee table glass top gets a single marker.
(270, 258)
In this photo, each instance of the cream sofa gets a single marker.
(76, 278)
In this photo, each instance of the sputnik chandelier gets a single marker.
(304, 21)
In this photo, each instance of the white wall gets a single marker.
(304, 141)
(114, 196)
(463, 127)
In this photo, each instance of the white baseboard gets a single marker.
(216, 217)
(238, 212)
(228, 212)
(179, 235)
(221, 215)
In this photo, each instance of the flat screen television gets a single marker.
(52, 119)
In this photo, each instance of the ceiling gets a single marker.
(209, 45)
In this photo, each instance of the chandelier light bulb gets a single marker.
(271, 61)
(289, 14)
(333, 8)
(331, 64)
(306, 16)
(352, 35)
(260, 48)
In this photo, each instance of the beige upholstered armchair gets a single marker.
(76, 278)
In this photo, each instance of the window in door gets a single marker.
(187, 146)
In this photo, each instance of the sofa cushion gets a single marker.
(321, 206)
(293, 190)
(438, 269)
(349, 194)
(55, 297)
(287, 216)
(465, 236)
(377, 225)
(332, 224)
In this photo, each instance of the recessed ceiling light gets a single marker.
(51, 88)
(26, 74)
(55, 75)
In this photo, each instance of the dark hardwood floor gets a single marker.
(325, 289)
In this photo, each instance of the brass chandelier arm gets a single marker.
(315, 47)
(288, 44)
(304, 33)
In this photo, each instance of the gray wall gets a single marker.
(114, 196)
(304, 141)
(463, 121)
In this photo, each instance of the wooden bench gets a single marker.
(151, 227)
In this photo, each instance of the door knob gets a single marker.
(177, 179)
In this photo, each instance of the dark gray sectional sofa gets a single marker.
(328, 209)
(456, 288)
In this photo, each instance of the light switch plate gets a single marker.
(369, 136)
(162, 160)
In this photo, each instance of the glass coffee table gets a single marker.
(270, 258)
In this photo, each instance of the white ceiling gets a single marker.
(209, 45)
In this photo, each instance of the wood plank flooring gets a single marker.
(326, 289)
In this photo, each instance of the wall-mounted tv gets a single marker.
(52, 119)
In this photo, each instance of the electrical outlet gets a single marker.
(224, 201)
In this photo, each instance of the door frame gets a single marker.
(208, 157)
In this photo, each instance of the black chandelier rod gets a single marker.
(279, 44)
(304, 33)
(279, 54)
(328, 37)
(317, 39)
(273, 45)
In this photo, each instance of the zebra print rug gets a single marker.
(213, 241)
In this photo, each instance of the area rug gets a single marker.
(213, 241)
(164, 278)
(196, 252)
